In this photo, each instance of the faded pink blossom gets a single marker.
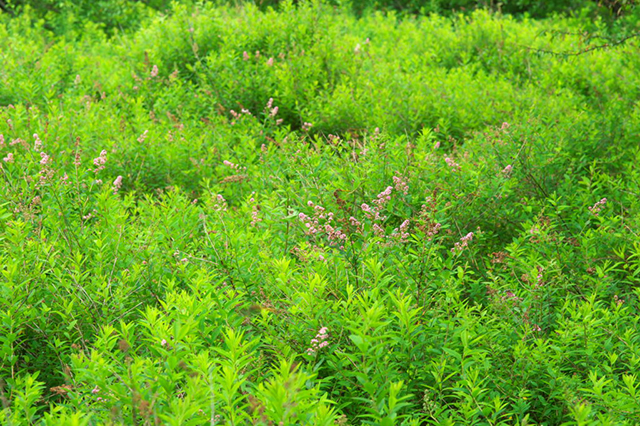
(451, 163)
(270, 62)
(8, 158)
(597, 207)
(219, 203)
(117, 184)
(143, 136)
(401, 185)
(100, 161)
(45, 159)
(507, 170)
(245, 56)
(154, 71)
(38, 143)
(463, 243)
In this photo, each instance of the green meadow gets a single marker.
(319, 213)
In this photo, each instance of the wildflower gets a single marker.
(597, 207)
(154, 71)
(117, 184)
(163, 342)
(38, 143)
(245, 56)
(254, 215)
(100, 161)
(219, 203)
(463, 243)
(383, 198)
(507, 170)
(95, 390)
(306, 126)
(1, 140)
(274, 111)
(270, 62)
(8, 158)
(504, 126)
(44, 159)
(401, 185)
(451, 163)
(357, 49)
(143, 136)
(437, 145)
(319, 342)
(77, 80)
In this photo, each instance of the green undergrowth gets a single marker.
(234, 215)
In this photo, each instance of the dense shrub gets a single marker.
(232, 215)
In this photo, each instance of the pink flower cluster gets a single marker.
(8, 158)
(319, 342)
(219, 203)
(235, 167)
(432, 230)
(451, 163)
(507, 170)
(306, 126)
(38, 143)
(272, 111)
(381, 200)
(597, 207)
(401, 185)
(143, 136)
(254, 212)
(117, 184)
(401, 234)
(44, 159)
(237, 116)
(510, 296)
(463, 243)
(314, 227)
(1, 140)
(154, 71)
(100, 161)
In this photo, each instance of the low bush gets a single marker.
(242, 216)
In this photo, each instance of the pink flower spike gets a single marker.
(45, 159)
(117, 184)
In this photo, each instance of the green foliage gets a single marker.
(244, 215)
